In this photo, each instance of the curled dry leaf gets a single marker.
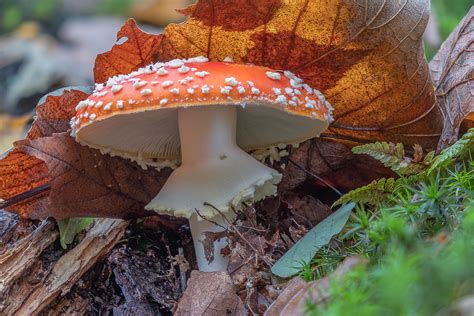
(86, 183)
(210, 293)
(366, 58)
(453, 72)
(54, 114)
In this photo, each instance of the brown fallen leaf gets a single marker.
(210, 293)
(54, 114)
(367, 59)
(19, 174)
(86, 183)
(452, 70)
(292, 301)
(326, 163)
(308, 210)
(294, 286)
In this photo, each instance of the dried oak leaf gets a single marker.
(452, 70)
(86, 183)
(210, 293)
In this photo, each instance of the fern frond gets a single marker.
(460, 149)
(393, 157)
(379, 191)
(374, 193)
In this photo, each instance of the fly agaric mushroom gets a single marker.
(207, 114)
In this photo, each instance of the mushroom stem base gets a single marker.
(214, 171)
(206, 252)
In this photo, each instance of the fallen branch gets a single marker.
(99, 240)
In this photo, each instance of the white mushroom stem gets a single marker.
(214, 170)
(198, 227)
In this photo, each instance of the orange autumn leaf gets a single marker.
(240, 16)
(138, 50)
(54, 114)
(21, 173)
(366, 58)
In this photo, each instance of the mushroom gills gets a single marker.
(214, 171)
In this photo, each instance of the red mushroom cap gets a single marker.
(164, 87)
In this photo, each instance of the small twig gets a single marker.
(182, 274)
(253, 228)
(246, 212)
(317, 177)
(209, 220)
(25, 195)
(220, 213)
(241, 265)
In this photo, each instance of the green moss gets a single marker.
(419, 242)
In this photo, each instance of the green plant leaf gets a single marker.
(69, 228)
(393, 156)
(459, 149)
(319, 236)
(374, 193)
